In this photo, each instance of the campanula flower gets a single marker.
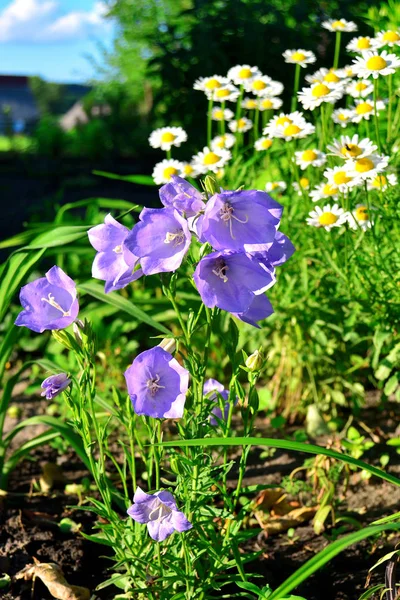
(113, 263)
(159, 512)
(244, 221)
(230, 280)
(259, 309)
(160, 240)
(210, 387)
(182, 196)
(54, 385)
(280, 251)
(157, 384)
(49, 302)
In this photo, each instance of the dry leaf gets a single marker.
(52, 474)
(294, 518)
(53, 578)
(266, 499)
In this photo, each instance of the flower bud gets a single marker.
(168, 344)
(211, 186)
(255, 361)
(62, 338)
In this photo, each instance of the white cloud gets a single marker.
(44, 21)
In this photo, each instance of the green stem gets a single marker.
(169, 154)
(209, 121)
(296, 86)
(337, 49)
(389, 123)
(376, 115)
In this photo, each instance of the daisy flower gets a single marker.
(359, 218)
(225, 93)
(364, 109)
(375, 64)
(289, 126)
(243, 73)
(340, 25)
(250, 103)
(223, 141)
(208, 84)
(263, 143)
(269, 103)
(382, 182)
(368, 167)
(326, 75)
(352, 147)
(348, 71)
(299, 57)
(342, 116)
(341, 178)
(387, 38)
(360, 88)
(211, 160)
(220, 114)
(259, 85)
(327, 217)
(240, 125)
(301, 185)
(166, 137)
(189, 170)
(360, 44)
(275, 186)
(324, 191)
(164, 170)
(314, 96)
(307, 158)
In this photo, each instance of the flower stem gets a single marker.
(296, 86)
(209, 121)
(389, 123)
(337, 49)
(376, 115)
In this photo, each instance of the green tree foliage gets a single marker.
(48, 96)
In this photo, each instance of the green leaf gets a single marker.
(285, 445)
(59, 236)
(139, 179)
(383, 559)
(391, 384)
(96, 290)
(371, 592)
(108, 203)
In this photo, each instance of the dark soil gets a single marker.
(29, 525)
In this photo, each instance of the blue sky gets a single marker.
(51, 37)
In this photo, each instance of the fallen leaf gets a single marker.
(53, 578)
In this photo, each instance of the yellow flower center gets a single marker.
(267, 103)
(241, 123)
(251, 104)
(363, 43)
(222, 93)
(245, 73)
(360, 86)
(309, 155)
(327, 218)
(219, 114)
(379, 181)
(363, 165)
(292, 130)
(212, 84)
(320, 90)
(169, 171)
(341, 177)
(298, 56)
(361, 213)
(376, 63)
(167, 137)
(342, 117)
(265, 144)
(338, 24)
(329, 190)
(283, 120)
(363, 108)
(391, 36)
(274, 185)
(331, 77)
(258, 84)
(351, 150)
(211, 158)
(304, 182)
(188, 169)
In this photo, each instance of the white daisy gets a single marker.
(310, 157)
(259, 85)
(164, 170)
(250, 103)
(387, 38)
(324, 191)
(189, 170)
(211, 160)
(375, 64)
(348, 71)
(314, 96)
(299, 57)
(342, 116)
(208, 84)
(220, 114)
(302, 185)
(341, 178)
(289, 126)
(240, 125)
(268, 103)
(327, 217)
(223, 141)
(225, 93)
(359, 218)
(352, 147)
(275, 186)
(327, 76)
(263, 143)
(382, 182)
(364, 109)
(368, 167)
(243, 73)
(339, 25)
(360, 44)
(360, 88)
(166, 137)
